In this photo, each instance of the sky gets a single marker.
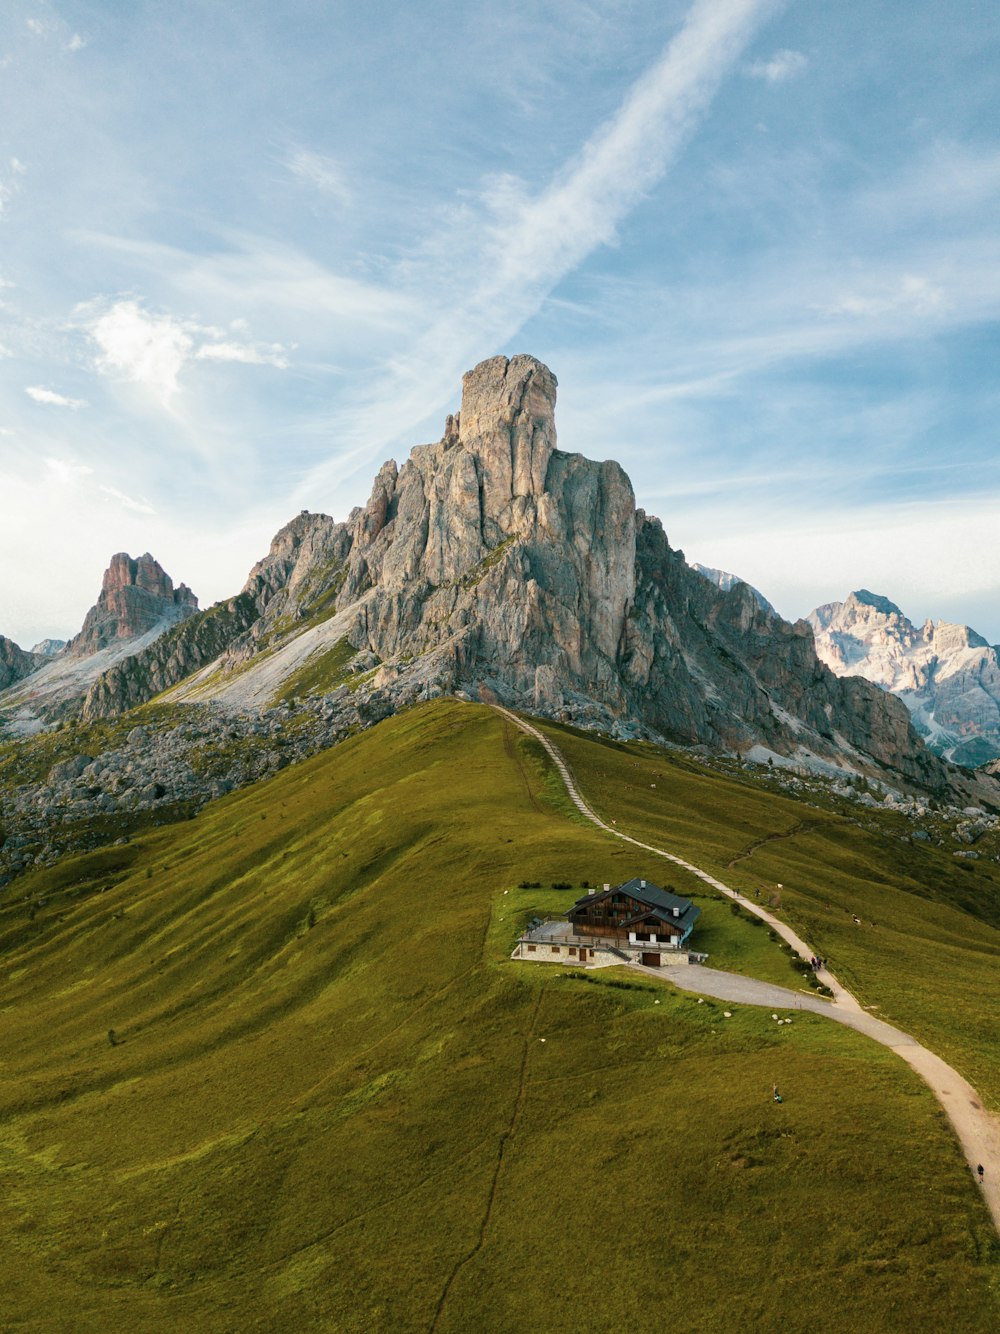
(248, 250)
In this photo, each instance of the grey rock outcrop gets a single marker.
(197, 640)
(16, 663)
(726, 581)
(136, 596)
(494, 559)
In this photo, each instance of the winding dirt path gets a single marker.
(977, 1129)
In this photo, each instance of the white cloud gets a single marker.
(152, 350)
(65, 472)
(912, 294)
(76, 43)
(271, 280)
(12, 185)
(249, 354)
(322, 173)
(42, 395)
(780, 67)
(137, 506)
(149, 350)
(38, 27)
(538, 240)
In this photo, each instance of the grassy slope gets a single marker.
(919, 961)
(331, 1126)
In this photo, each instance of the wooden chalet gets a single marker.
(633, 914)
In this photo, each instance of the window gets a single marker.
(572, 949)
(556, 949)
(532, 949)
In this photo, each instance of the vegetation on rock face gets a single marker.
(323, 671)
(272, 1068)
(176, 654)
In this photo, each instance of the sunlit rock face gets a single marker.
(136, 596)
(947, 675)
(492, 558)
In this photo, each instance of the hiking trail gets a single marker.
(977, 1129)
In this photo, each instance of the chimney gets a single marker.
(642, 884)
(606, 888)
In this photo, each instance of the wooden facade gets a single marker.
(635, 912)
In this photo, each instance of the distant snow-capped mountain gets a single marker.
(725, 581)
(947, 675)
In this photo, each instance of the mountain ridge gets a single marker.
(494, 559)
(137, 603)
(947, 675)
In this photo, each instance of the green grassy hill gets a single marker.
(272, 1069)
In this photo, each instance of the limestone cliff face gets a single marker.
(195, 641)
(136, 596)
(493, 558)
(16, 663)
(522, 558)
(712, 665)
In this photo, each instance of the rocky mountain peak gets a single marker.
(949, 638)
(726, 582)
(947, 675)
(493, 560)
(48, 648)
(507, 423)
(862, 598)
(137, 595)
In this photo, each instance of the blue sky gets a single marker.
(247, 251)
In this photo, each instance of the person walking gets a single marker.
(981, 1170)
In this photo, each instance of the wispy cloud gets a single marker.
(780, 67)
(537, 240)
(320, 172)
(76, 43)
(247, 353)
(266, 277)
(66, 472)
(49, 396)
(10, 182)
(911, 293)
(136, 506)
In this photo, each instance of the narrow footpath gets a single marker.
(977, 1129)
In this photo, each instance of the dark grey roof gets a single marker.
(660, 902)
(653, 896)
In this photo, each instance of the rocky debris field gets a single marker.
(80, 788)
